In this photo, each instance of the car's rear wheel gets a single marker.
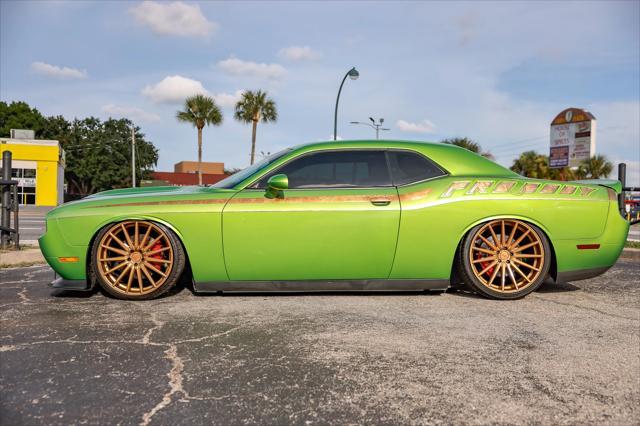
(137, 259)
(505, 258)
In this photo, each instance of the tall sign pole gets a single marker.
(133, 156)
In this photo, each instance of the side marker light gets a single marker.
(588, 246)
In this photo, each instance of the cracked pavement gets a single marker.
(567, 354)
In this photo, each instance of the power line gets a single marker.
(520, 141)
(515, 146)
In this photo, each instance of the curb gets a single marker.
(630, 254)
(20, 258)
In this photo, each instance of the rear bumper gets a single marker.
(576, 263)
(580, 274)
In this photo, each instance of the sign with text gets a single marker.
(573, 138)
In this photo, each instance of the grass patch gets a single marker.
(22, 247)
(22, 264)
(632, 244)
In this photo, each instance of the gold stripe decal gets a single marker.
(475, 187)
(163, 203)
(314, 199)
(413, 196)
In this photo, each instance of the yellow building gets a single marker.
(38, 166)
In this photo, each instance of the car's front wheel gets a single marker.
(137, 259)
(505, 258)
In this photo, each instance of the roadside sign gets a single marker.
(573, 138)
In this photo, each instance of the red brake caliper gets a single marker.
(484, 264)
(158, 246)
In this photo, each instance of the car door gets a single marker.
(338, 220)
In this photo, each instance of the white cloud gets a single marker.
(56, 71)
(174, 89)
(175, 18)
(425, 126)
(228, 99)
(239, 67)
(299, 53)
(132, 113)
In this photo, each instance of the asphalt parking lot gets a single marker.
(567, 354)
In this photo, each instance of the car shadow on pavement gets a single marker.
(546, 287)
(73, 294)
(85, 294)
(552, 287)
(318, 293)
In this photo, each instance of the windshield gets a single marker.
(238, 177)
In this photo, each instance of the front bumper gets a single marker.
(54, 246)
(77, 285)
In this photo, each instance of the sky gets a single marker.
(495, 72)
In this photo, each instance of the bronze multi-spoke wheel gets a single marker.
(505, 258)
(137, 259)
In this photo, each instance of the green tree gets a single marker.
(200, 110)
(595, 167)
(531, 164)
(19, 115)
(470, 145)
(254, 107)
(56, 128)
(98, 155)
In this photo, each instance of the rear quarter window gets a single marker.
(410, 167)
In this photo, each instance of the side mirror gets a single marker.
(276, 184)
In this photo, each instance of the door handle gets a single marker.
(380, 201)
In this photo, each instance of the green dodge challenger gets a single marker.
(348, 215)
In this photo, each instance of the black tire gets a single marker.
(176, 270)
(474, 284)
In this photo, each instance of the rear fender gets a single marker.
(553, 269)
(516, 217)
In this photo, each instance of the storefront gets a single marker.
(38, 166)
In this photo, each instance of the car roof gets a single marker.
(455, 160)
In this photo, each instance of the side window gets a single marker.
(408, 167)
(335, 169)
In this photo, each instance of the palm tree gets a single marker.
(470, 145)
(200, 110)
(563, 173)
(596, 167)
(531, 164)
(252, 108)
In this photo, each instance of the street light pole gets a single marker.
(133, 157)
(376, 126)
(353, 74)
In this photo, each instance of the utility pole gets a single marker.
(133, 156)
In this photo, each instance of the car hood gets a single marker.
(136, 196)
(148, 190)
